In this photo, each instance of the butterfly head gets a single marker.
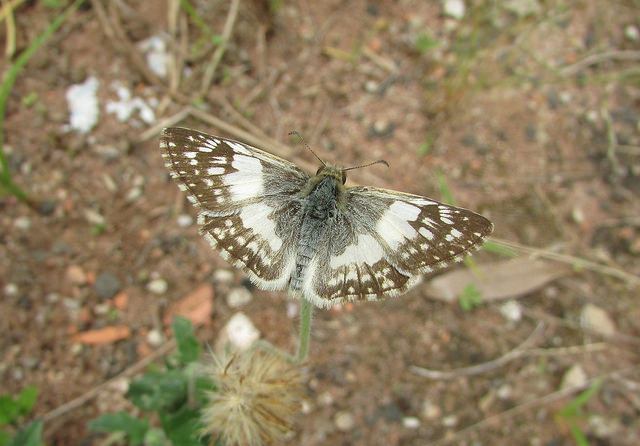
(336, 172)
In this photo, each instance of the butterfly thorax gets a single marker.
(328, 182)
(322, 199)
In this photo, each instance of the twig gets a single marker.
(217, 55)
(612, 140)
(7, 8)
(577, 261)
(133, 370)
(166, 122)
(551, 397)
(10, 46)
(597, 58)
(486, 366)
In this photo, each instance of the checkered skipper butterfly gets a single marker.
(324, 242)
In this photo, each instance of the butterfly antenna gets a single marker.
(307, 145)
(370, 164)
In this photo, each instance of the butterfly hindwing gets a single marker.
(245, 197)
(385, 239)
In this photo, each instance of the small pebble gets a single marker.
(46, 207)
(574, 377)
(411, 422)
(450, 421)
(371, 87)
(454, 8)
(511, 311)
(11, 289)
(155, 338)
(158, 286)
(292, 310)
(325, 399)
(133, 194)
(223, 276)
(184, 220)
(632, 33)
(597, 319)
(344, 421)
(75, 274)
(240, 331)
(430, 411)
(238, 297)
(504, 392)
(94, 217)
(107, 285)
(22, 223)
(101, 309)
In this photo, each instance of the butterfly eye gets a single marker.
(319, 170)
(344, 177)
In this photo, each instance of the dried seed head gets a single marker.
(258, 396)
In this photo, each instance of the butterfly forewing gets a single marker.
(262, 213)
(244, 196)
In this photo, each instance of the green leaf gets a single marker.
(11, 409)
(134, 428)
(498, 249)
(182, 427)
(159, 391)
(424, 42)
(572, 409)
(188, 346)
(578, 435)
(4, 438)
(29, 436)
(470, 297)
(27, 399)
(156, 437)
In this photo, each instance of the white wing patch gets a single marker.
(393, 226)
(256, 217)
(247, 182)
(365, 250)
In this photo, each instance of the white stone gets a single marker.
(344, 421)
(223, 276)
(11, 289)
(158, 58)
(83, 105)
(504, 392)
(454, 8)
(126, 105)
(155, 338)
(240, 331)
(158, 286)
(184, 220)
(238, 297)
(597, 319)
(411, 422)
(430, 411)
(574, 377)
(22, 223)
(450, 421)
(94, 217)
(511, 311)
(632, 33)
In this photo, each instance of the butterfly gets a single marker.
(323, 241)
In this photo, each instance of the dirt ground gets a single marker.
(528, 111)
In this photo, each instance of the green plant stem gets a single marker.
(305, 330)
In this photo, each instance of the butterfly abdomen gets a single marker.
(320, 207)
